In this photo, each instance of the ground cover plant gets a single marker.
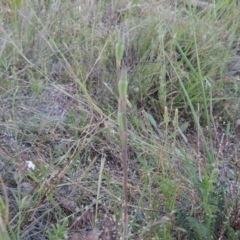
(63, 133)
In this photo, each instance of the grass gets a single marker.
(60, 109)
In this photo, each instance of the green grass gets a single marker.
(59, 109)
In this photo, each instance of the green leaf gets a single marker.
(184, 126)
(152, 120)
(119, 49)
(123, 84)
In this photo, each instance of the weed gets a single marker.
(169, 81)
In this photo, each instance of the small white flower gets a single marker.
(30, 165)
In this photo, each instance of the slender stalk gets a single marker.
(122, 120)
(99, 187)
(123, 137)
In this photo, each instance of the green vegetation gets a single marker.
(88, 86)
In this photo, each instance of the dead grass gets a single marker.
(58, 109)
